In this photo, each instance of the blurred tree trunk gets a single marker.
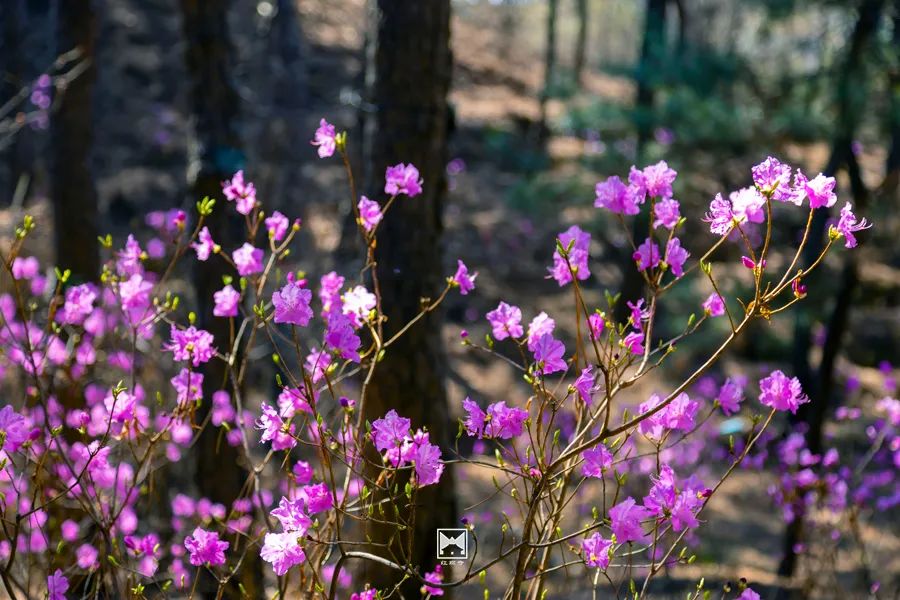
(217, 155)
(819, 383)
(74, 194)
(549, 69)
(410, 65)
(508, 24)
(653, 48)
(581, 40)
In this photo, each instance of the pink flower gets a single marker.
(369, 213)
(548, 354)
(402, 179)
(647, 255)
(195, 345)
(226, 302)
(369, 594)
(654, 180)
(615, 196)
(79, 303)
(667, 212)
(317, 363)
(596, 324)
(820, 191)
(577, 244)
(584, 385)
(243, 193)
(340, 336)
(14, 427)
(283, 551)
(463, 279)
(714, 305)
(26, 267)
(135, 297)
(748, 594)
(539, 326)
(128, 259)
(505, 321)
(720, 216)
(428, 465)
(292, 305)
(475, 418)
(500, 421)
(273, 429)
(188, 385)
(330, 291)
(848, 224)
(595, 551)
(596, 460)
(505, 422)
(773, 178)
(248, 260)
(303, 472)
(681, 412)
(390, 431)
(748, 205)
(291, 515)
(676, 256)
(86, 557)
(431, 579)
(357, 304)
(205, 548)
(780, 392)
(625, 518)
(318, 497)
(730, 396)
(204, 246)
(634, 342)
(57, 586)
(277, 226)
(325, 139)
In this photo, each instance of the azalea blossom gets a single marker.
(402, 179)
(243, 193)
(248, 260)
(616, 197)
(205, 548)
(292, 304)
(848, 224)
(325, 139)
(781, 392)
(369, 213)
(506, 321)
(595, 551)
(463, 278)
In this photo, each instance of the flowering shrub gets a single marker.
(88, 424)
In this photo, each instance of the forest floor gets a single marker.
(290, 78)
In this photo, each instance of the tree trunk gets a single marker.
(581, 40)
(410, 76)
(218, 155)
(818, 385)
(74, 195)
(549, 69)
(653, 48)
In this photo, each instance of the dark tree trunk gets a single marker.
(549, 68)
(218, 155)
(819, 383)
(653, 49)
(581, 40)
(410, 77)
(74, 194)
